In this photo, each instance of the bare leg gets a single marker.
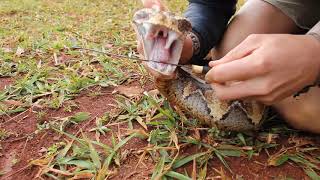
(255, 17)
(259, 17)
(302, 112)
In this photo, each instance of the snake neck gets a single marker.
(163, 86)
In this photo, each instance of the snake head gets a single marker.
(162, 35)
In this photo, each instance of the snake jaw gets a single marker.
(161, 38)
(163, 46)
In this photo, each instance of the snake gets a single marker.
(162, 34)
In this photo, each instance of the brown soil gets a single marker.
(18, 150)
(4, 82)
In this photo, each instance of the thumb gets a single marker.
(155, 4)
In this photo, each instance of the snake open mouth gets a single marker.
(162, 35)
(163, 46)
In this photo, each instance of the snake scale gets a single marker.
(162, 35)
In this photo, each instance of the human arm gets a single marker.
(209, 20)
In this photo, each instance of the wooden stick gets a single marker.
(200, 69)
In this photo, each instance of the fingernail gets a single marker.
(156, 7)
(207, 78)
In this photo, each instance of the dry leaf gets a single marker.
(13, 102)
(175, 140)
(154, 92)
(43, 149)
(63, 58)
(300, 141)
(40, 162)
(19, 51)
(196, 134)
(7, 50)
(108, 46)
(140, 121)
(84, 175)
(129, 91)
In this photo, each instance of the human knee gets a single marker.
(302, 121)
(302, 113)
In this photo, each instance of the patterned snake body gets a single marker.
(194, 97)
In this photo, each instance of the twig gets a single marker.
(85, 125)
(18, 139)
(115, 124)
(123, 56)
(119, 133)
(18, 171)
(65, 173)
(131, 174)
(82, 37)
(55, 58)
(40, 96)
(141, 159)
(14, 117)
(25, 144)
(194, 169)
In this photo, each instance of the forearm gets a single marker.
(209, 20)
(315, 32)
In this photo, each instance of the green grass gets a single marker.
(44, 32)
(36, 40)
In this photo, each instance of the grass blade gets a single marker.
(220, 157)
(177, 175)
(185, 160)
(158, 169)
(312, 174)
(108, 160)
(80, 116)
(94, 155)
(81, 163)
(277, 161)
(64, 151)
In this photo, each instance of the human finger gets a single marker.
(238, 70)
(283, 91)
(241, 89)
(245, 48)
(155, 4)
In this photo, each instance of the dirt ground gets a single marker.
(19, 149)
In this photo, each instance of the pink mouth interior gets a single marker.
(159, 52)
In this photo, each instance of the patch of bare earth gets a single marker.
(20, 148)
(5, 81)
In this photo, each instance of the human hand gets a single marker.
(266, 68)
(156, 4)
